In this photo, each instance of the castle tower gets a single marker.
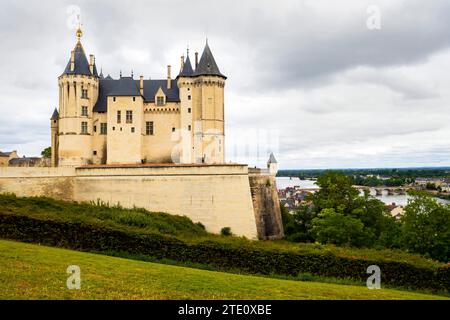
(54, 124)
(208, 110)
(78, 93)
(272, 165)
(185, 82)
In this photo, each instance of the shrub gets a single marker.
(201, 225)
(226, 231)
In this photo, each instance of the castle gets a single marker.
(102, 120)
(153, 144)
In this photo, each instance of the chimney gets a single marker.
(182, 63)
(141, 86)
(91, 63)
(169, 78)
(72, 61)
(196, 60)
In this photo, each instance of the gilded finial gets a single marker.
(79, 31)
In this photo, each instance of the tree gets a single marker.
(426, 227)
(430, 186)
(336, 228)
(336, 191)
(314, 222)
(297, 226)
(47, 152)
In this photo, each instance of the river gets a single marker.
(402, 200)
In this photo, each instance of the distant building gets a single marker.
(445, 186)
(5, 157)
(396, 211)
(29, 162)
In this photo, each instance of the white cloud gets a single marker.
(338, 94)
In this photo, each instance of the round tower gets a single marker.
(208, 110)
(185, 85)
(54, 125)
(78, 93)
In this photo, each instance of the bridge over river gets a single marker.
(390, 191)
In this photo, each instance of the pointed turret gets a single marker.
(187, 70)
(55, 115)
(78, 93)
(54, 126)
(272, 165)
(272, 159)
(79, 63)
(207, 65)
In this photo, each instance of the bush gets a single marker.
(238, 255)
(226, 231)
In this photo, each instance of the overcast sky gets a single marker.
(306, 79)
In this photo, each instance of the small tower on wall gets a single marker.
(272, 165)
(185, 82)
(208, 110)
(78, 93)
(54, 124)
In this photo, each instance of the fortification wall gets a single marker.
(217, 195)
(266, 206)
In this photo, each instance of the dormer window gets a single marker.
(160, 97)
(159, 101)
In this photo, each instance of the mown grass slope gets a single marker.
(158, 237)
(37, 272)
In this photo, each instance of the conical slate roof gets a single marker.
(187, 70)
(55, 115)
(207, 65)
(95, 70)
(81, 62)
(272, 159)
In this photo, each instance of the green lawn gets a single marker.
(37, 272)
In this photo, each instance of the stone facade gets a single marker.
(218, 196)
(101, 120)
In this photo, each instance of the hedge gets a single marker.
(79, 235)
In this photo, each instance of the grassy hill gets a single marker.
(159, 237)
(38, 272)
